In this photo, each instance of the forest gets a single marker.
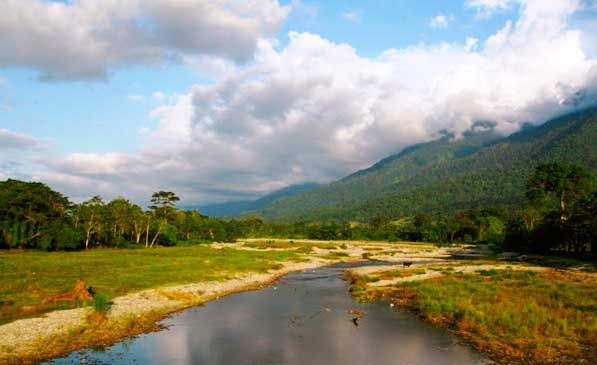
(559, 218)
(478, 170)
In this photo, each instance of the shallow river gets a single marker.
(301, 319)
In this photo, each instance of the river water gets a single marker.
(301, 319)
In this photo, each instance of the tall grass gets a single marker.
(537, 317)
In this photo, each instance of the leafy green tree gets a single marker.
(89, 215)
(27, 210)
(559, 182)
(137, 219)
(164, 203)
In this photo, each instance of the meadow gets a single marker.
(529, 316)
(27, 277)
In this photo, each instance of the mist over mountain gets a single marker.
(232, 208)
(477, 170)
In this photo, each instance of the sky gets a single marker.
(230, 99)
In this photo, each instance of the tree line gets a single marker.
(560, 217)
(34, 216)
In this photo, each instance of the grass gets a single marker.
(26, 278)
(524, 315)
(101, 303)
(402, 273)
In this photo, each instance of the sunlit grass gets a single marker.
(534, 316)
(26, 278)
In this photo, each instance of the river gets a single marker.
(301, 319)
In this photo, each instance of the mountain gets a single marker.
(233, 208)
(476, 171)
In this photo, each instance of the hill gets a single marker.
(233, 208)
(446, 175)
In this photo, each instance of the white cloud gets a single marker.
(440, 21)
(308, 10)
(316, 110)
(353, 16)
(158, 96)
(485, 8)
(489, 4)
(19, 141)
(92, 37)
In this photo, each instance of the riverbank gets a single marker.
(155, 283)
(517, 313)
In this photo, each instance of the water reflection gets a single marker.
(300, 320)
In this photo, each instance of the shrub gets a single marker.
(101, 303)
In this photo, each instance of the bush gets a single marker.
(101, 303)
(168, 236)
(68, 239)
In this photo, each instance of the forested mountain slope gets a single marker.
(479, 170)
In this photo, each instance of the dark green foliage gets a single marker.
(557, 185)
(101, 303)
(28, 213)
(34, 216)
(566, 218)
(478, 171)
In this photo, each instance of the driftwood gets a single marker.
(81, 293)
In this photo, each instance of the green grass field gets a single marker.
(26, 278)
(536, 317)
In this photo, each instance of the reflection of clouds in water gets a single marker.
(174, 345)
(289, 325)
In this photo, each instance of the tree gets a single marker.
(581, 227)
(164, 203)
(559, 182)
(27, 210)
(118, 215)
(90, 213)
(138, 218)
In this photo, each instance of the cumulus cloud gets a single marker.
(19, 141)
(316, 110)
(440, 21)
(14, 148)
(93, 36)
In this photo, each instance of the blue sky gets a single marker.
(101, 108)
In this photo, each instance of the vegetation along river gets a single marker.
(305, 318)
